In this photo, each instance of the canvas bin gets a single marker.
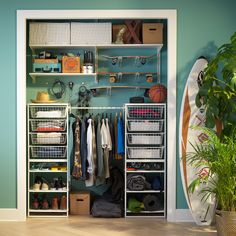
(80, 203)
(70, 64)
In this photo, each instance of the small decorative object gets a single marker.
(113, 78)
(120, 36)
(158, 93)
(149, 78)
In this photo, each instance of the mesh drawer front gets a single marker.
(48, 138)
(45, 152)
(145, 139)
(146, 125)
(145, 153)
(47, 125)
(48, 111)
(146, 112)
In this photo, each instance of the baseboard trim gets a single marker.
(183, 215)
(12, 215)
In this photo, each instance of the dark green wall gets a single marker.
(203, 25)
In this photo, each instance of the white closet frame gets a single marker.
(22, 16)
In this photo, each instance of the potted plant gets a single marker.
(218, 90)
(218, 156)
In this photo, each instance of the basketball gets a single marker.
(158, 93)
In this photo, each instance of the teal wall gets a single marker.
(203, 25)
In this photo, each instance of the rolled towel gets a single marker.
(152, 202)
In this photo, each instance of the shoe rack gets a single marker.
(48, 165)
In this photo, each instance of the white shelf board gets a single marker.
(145, 171)
(48, 171)
(48, 160)
(146, 160)
(48, 191)
(153, 212)
(46, 210)
(145, 191)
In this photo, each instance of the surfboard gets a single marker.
(202, 212)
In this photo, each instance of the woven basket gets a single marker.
(226, 223)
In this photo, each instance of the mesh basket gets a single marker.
(145, 125)
(51, 152)
(145, 139)
(146, 112)
(48, 125)
(48, 138)
(48, 111)
(145, 153)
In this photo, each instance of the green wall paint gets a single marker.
(203, 25)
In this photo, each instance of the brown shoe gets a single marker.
(63, 203)
(55, 203)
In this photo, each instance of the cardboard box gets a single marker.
(70, 64)
(44, 61)
(152, 33)
(80, 203)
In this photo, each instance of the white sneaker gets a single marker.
(44, 187)
(36, 187)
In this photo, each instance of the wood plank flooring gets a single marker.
(89, 226)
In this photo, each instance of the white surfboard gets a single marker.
(202, 212)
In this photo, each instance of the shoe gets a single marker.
(44, 187)
(63, 203)
(35, 202)
(45, 204)
(36, 187)
(61, 184)
(55, 203)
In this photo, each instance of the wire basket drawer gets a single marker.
(48, 138)
(146, 112)
(48, 125)
(145, 139)
(145, 153)
(44, 152)
(48, 111)
(145, 125)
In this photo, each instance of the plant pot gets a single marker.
(226, 223)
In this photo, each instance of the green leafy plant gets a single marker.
(218, 156)
(218, 90)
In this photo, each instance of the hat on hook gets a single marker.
(42, 97)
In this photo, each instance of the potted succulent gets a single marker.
(218, 156)
(218, 89)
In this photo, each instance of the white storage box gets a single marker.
(145, 139)
(42, 33)
(145, 125)
(91, 33)
(145, 153)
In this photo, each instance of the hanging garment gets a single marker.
(120, 136)
(90, 181)
(104, 139)
(109, 142)
(72, 120)
(77, 172)
(115, 136)
(83, 147)
(100, 163)
(94, 151)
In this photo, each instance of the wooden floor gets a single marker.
(88, 226)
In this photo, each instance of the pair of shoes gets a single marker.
(58, 184)
(44, 203)
(59, 204)
(35, 202)
(40, 183)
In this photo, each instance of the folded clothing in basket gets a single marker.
(48, 114)
(55, 125)
(49, 138)
(144, 113)
(137, 183)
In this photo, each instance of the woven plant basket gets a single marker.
(226, 223)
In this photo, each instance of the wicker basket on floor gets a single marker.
(226, 223)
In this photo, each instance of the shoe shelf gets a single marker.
(48, 165)
(145, 160)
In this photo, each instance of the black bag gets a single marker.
(136, 100)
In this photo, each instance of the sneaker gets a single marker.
(63, 203)
(36, 187)
(44, 187)
(55, 203)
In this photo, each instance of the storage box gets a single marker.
(80, 203)
(90, 33)
(47, 67)
(42, 33)
(115, 31)
(152, 33)
(70, 64)
(44, 61)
